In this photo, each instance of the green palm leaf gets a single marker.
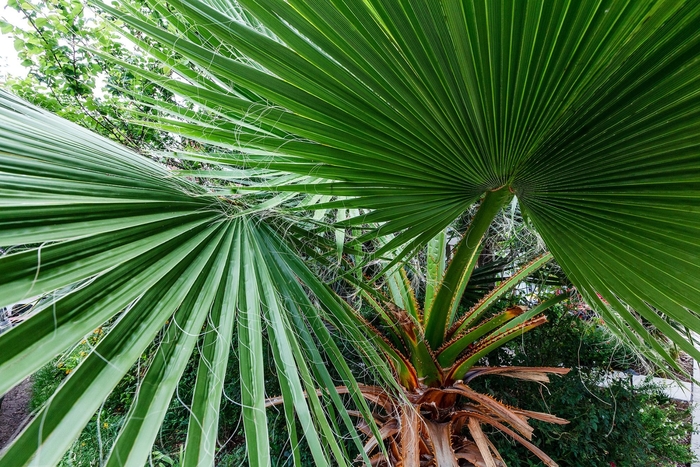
(585, 110)
(144, 253)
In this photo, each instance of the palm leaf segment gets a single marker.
(127, 244)
(585, 110)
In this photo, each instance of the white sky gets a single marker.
(9, 63)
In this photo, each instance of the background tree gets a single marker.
(57, 44)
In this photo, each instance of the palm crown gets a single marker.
(423, 424)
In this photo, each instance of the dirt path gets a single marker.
(14, 412)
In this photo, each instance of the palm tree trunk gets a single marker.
(410, 436)
(440, 436)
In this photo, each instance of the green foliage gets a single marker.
(99, 434)
(62, 45)
(571, 341)
(618, 425)
(667, 429)
(48, 378)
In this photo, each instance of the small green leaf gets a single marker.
(5, 27)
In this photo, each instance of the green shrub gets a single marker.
(618, 426)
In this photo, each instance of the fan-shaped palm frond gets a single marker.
(149, 253)
(413, 109)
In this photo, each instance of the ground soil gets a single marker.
(14, 411)
(686, 441)
(685, 361)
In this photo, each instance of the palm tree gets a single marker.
(422, 425)
(405, 113)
